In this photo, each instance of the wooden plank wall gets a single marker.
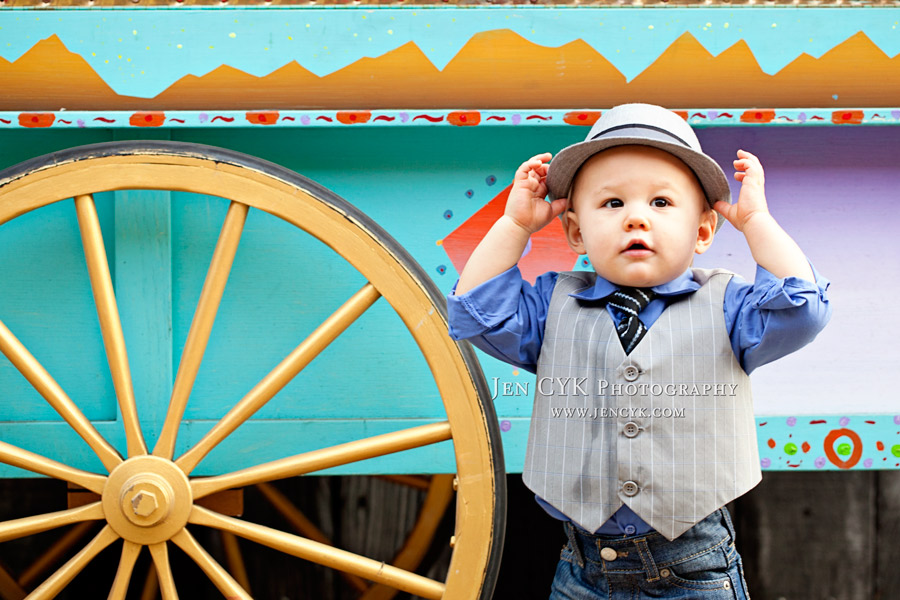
(803, 536)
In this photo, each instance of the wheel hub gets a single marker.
(147, 499)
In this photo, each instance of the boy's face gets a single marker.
(639, 214)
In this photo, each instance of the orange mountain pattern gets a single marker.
(495, 69)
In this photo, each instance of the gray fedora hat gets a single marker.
(645, 125)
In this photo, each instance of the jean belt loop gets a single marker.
(647, 559)
(574, 544)
(726, 517)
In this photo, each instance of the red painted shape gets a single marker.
(147, 119)
(226, 119)
(817, 422)
(528, 118)
(465, 118)
(763, 423)
(757, 116)
(584, 117)
(869, 422)
(805, 447)
(880, 446)
(288, 119)
(263, 118)
(324, 118)
(855, 455)
(384, 118)
(549, 249)
(66, 122)
(771, 443)
(849, 117)
(429, 118)
(348, 117)
(36, 119)
(495, 118)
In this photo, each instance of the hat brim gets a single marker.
(568, 160)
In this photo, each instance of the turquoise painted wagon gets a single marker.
(224, 249)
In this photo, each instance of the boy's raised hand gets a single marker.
(772, 248)
(752, 199)
(526, 205)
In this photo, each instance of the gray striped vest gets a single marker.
(667, 430)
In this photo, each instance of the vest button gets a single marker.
(608, 554)
(631, 429)
(631, 373)
(630, 488)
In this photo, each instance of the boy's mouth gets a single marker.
(637, 248)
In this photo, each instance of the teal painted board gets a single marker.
(46, 301)
(422, 184)
(284, 283)
(143, 260)
(143, 56)
(254, 443)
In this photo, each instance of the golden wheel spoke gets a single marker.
(160, 554)
(304, 526)
(56, 582)
(316, 460)
(47, 387)
(110, 324)
(53, 554)
(201, 327)
(10, 589)
(322, 554)
(17, 457)
(430, 515)
(130, 552)
(281, 375)
(235, 560)
(219, 576)
(10, 530)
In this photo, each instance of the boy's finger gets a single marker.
(722, 208)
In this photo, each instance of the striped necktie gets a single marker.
(630, 302)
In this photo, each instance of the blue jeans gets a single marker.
(700, 564)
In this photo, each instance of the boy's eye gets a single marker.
(613, 203)
(660, 202)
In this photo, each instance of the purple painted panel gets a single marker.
(835, 191)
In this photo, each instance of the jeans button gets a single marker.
(665, 573)
(608, 554)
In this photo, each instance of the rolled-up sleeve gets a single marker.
(774, 316)
(504, 316)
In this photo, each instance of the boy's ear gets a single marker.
(706, 231)
(573, 231)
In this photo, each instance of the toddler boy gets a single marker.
(642, 428)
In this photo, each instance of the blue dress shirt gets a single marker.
(766, 320)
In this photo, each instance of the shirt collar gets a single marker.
(683, 284)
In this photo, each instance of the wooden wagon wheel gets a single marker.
(149, 497)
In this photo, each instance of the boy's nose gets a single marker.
(636, 220)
